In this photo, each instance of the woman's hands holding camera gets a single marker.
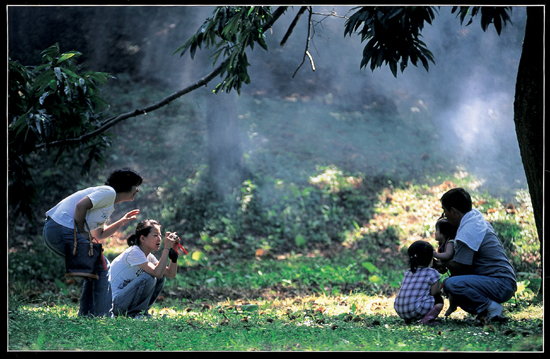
(170, 241)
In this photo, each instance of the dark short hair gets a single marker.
(123, 179)
(458, 198)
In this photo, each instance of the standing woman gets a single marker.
(91, 208)
(137, 276)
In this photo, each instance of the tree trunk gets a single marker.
(227, 169)
(528, 110)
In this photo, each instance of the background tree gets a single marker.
(226, 166)
(230, 31)
(528, 111)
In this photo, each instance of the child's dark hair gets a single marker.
(142, 229)
(420, 254)
(446, 228)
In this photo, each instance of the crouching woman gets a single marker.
(137, 276)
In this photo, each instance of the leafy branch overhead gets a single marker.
(231, 30)
(489, 15)
(393, 34)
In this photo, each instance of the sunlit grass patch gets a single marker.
(356, 322)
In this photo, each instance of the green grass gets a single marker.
(292, 270)
(318, 301)
(355, 322)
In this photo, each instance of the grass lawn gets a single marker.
(354, 322)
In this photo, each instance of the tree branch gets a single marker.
(306, 52)
(276, 15)
(114, 120)
(292, 25)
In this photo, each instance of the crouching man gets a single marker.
(483, 277)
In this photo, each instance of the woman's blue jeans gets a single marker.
(474, 293)
(96, 293)
(138, 296)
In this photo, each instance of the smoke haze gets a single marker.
(467, 96)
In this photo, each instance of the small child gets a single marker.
(445, 234)
(419, 298)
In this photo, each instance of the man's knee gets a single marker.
(453, 285)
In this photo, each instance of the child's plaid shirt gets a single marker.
(414, 300)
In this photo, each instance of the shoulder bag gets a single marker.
(83, 259)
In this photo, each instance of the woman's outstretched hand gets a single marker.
(130, 216)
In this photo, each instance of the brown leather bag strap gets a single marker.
(75, 241)
(91, 252)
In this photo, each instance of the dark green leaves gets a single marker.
(55, 100)
(392, 35)
(489, 15)
(50, 102)
(230, 31)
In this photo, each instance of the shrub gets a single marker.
(278, 213)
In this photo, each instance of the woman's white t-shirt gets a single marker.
(125, 268)
(103, 201)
